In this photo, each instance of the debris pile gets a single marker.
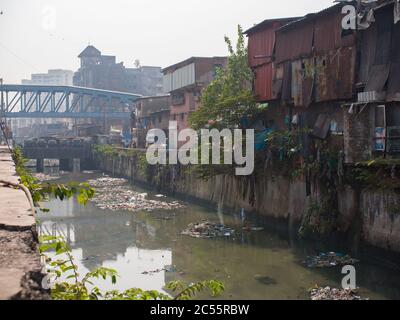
(107, 182)
(206, 229)
(42, 177)
(115, 194)
(329, 260)
(334, 294)
(171, 269)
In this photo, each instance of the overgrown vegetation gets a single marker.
(381, 174)
(229, 96)
(319, 220)
(68, 284)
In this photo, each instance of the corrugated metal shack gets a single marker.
(261, 46)
(342, 82)
(315, 60)
(305, 69)
(372, 124)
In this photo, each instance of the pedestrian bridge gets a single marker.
(46, 101)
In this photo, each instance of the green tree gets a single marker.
(229, 96)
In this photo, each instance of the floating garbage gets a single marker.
(268, 281)
(334, 294)
(249, 228)
(152, 272)
(206, 229)
(170, 269)
(42, 177)
(107, 182)
(115, 194)
(329, 260)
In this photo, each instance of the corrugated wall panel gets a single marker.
(184, 77)
(328, 32)
(294, 43)
(261, 44)
(167, 80)
(263, 82)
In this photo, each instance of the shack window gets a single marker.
(178, 99)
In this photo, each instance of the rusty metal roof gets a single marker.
(312, 16)
(268, 22)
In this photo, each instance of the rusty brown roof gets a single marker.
(267, 22)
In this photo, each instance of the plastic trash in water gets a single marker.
(242, 215)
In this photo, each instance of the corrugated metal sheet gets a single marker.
(384, 22)
(335, 75)
(180, 78)
(287, 82)
(367, 50)
(321, 31)
(393, 92)
(328, 32)
(278, 81)
(167, 81)
(302, 82)
(261, 43)
(184, 77)
(378, 77)
(345, 74)
(261, 49)
(263, 82)
(294, 43)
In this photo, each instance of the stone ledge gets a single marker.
(20, 266)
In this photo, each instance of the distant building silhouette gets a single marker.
(102, 72)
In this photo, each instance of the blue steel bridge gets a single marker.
(48, 101)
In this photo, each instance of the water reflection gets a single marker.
(253, 265)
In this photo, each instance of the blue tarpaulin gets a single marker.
(260, 142)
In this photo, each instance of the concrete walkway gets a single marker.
(20, 267)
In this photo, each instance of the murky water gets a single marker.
(252, 265)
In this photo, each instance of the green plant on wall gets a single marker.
(381, 174)
(106, 150)
(318, 220)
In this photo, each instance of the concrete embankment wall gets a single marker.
(20, 267)
(371, 216)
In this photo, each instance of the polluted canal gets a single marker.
(151, 240)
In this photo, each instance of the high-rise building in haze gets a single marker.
(29, 127)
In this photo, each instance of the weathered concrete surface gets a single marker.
(20, 266)
(381, 217)
(372, 214)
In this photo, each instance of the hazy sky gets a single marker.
(37, 35)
